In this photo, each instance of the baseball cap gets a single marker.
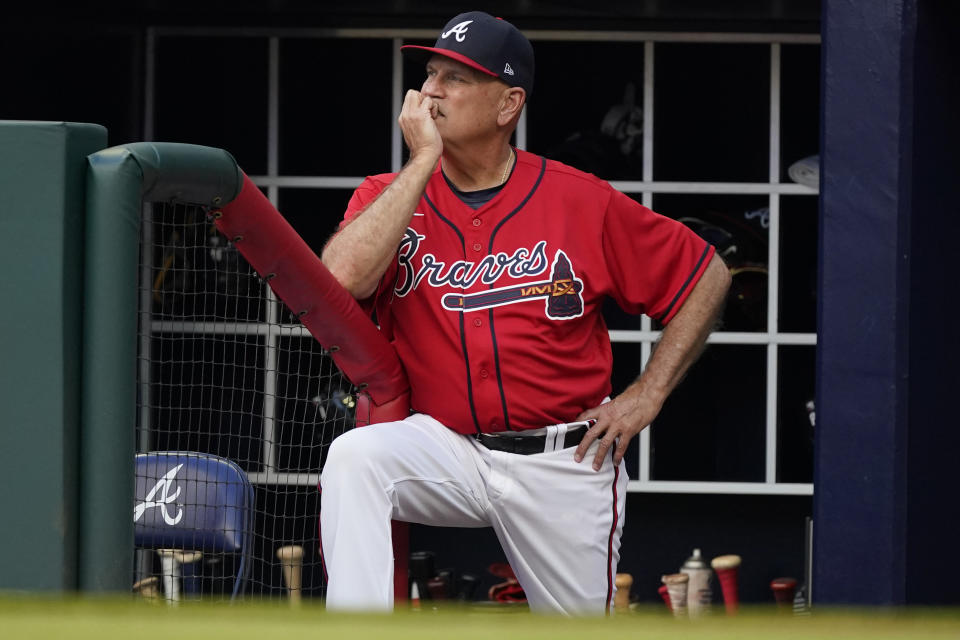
(488, 44)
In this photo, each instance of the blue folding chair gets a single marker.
(194, 502)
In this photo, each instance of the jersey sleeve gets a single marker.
(654, 261)
(362, 196)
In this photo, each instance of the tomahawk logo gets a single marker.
(163, 488)
(563, 293)
(460, 30)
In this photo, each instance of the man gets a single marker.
(493, 303)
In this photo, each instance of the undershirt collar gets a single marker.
(476, 199)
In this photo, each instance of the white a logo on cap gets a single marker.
(460, 30)
(508, 69)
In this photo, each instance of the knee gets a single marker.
(344, 452)
(351, 454)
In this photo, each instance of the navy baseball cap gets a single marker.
(488, 44)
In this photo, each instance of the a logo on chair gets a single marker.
(163, 488)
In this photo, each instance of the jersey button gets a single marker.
(494, 425)
(477, 246)
(477, 222)
(477, 322)
(483, 373)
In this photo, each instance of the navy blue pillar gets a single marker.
(888, 432)
(933, 438)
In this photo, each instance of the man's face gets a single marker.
(468, 100)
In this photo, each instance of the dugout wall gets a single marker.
(42, 171)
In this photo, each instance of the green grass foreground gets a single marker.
(79, 619)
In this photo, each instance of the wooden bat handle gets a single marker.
(676, 584)
(291, 561)
(170, 565)
(621, 601)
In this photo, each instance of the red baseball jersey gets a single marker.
(496, 312)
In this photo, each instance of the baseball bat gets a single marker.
(291, 561)
(189, 582)
(147, 588)
(414, 596)
(438, 586)
(623, 582)
(783, 592)
(665, 594)
(727, 569)
(677, 588)
(170, 570)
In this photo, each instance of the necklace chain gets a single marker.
(503, 178)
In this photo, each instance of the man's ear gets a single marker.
(511, 105)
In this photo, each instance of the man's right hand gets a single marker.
(417, 122)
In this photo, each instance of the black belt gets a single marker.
(527, 445)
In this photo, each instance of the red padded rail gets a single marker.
(300, 279)
(337, 322)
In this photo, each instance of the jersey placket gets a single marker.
(478, 338)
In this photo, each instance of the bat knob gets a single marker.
(290, 554)
(783, 592)
(147, 588)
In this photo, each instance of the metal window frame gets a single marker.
(647, 188)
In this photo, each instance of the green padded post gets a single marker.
(42, 182)
(118, 181)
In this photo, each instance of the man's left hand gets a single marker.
(617, 422)
(683, 338)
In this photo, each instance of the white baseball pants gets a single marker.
(559, 521)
